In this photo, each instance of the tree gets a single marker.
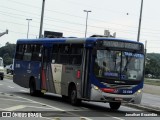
(153, 64)
(7, 53)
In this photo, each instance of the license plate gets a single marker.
(118, 99)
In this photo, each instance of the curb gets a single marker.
(144, 107)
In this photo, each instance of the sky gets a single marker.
(68, 16)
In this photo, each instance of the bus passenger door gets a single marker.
(45, 61)
(85, 74)
(57, 76)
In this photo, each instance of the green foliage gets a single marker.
(7, 53)
(153, 65)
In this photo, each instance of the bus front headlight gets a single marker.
(95, 87)
(139, 91)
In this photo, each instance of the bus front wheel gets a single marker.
(73, 97)
(115, 105)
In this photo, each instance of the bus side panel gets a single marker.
(24, 70)
(69, 75)
(56, 77)
(20, 73)
(34, 71)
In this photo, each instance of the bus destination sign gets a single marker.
(124, 45)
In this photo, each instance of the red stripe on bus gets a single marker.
(108, 90)
(43, 80)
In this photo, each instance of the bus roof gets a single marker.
(71, 40)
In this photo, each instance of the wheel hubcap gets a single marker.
(73, 96)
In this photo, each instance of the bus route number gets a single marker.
(127, 91)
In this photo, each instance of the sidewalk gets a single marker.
(151, 89)
(150, 99)
(151, 96)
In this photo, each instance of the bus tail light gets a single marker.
(78, 74)
(109, 90)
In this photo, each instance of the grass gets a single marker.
(152, 82)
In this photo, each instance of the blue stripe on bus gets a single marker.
(63, 40)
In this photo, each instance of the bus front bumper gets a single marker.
(98, 95)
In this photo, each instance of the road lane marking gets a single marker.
(48, 118)
(85, 118)
(10, 87)
(1, 84)
(52, 107)
(15, 107)
(15, 100)
(41, 103)
(114, 117)
(40, 107)
(118, 118)
(24, 90)
(32, 101)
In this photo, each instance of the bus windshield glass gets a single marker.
(118, 65)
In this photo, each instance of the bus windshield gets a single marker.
(118, 65)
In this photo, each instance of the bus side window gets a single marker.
(27, 52)
(76, 54)
(37, 53)
(55, 51)
(64, 54)
(19, 52)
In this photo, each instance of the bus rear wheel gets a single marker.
(73, 97)
(32, 87)
(64, 98)
(115, 105)
(33, 91)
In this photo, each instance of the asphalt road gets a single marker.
(14, 98)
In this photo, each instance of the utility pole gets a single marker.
(41, 23)
(28, 27)
(140, 18)
(145, 49)
(86, 21)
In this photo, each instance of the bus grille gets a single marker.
(118, 86)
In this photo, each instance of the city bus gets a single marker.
(98, 69)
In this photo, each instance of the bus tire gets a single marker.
(39, 93)
(73, 96)
(1, 78)
(115, 105)
(32, 87)
(64, 98)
